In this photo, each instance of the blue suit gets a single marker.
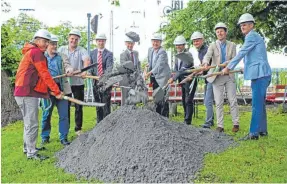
(256, 69)
(103, 97)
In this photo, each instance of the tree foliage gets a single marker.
(5, 6)
(270, 17)
(17, 31)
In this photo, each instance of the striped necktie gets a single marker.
(100, 64)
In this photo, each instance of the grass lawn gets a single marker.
(252, 161)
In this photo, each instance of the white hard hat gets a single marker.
(246, 17)
(128, 39)
(54, 38)
(220, 25)
(75, 32)
(42, 33)
(179, 40)
(156, 36)
(101, 36)
(196, 35)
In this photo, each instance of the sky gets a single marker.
(145, 22)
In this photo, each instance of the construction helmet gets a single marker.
(179, 40)
(128, 39)
(156, 36)
(220, 25)
(196, 35)
(246, 17)
(42, 33)
(101, 36)
(54, 38)
(75, 32)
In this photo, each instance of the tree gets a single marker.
(10, 111)
(270, 17)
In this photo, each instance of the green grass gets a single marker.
(252, 161)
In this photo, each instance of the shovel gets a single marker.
(77, 72)
(203, 68)
(96, 104)
(189, 78)
(159, 93)
(89, 77)
(220, 73)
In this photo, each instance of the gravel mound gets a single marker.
(139, 145)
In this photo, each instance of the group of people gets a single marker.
(42, 61)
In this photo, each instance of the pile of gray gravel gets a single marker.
(139, 145)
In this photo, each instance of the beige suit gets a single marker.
(220, 83)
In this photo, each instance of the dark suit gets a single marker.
(187, 96)
(103, 97)
(126, 56)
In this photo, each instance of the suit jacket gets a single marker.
(126, 56)
(179, 68)
(159, 67)
(214, 53)
(255, 57)
(108, 61)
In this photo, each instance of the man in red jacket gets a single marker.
(32, 82)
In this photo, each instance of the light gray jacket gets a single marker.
(159, 67)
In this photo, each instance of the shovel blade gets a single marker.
(158, 94)
(124, 67)
(94, 104)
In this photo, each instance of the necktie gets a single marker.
(100, 64)
(132, 57)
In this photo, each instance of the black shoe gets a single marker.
(249, 137)
(38, 149)
(220, 129)
(263, 134)
(37, 157)
(187, 122)
(206, 125)
(65, 142)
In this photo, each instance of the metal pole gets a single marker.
(89, 32)
(112, 30)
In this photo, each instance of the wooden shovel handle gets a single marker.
(60, 76)
(220, 73)
(208, 67)
(73, 100)
(89, 77)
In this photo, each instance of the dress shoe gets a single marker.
(219, 129)
(65, 142)
(38, 149)
(187, 122)
(206, 125)
(235, 128)
(249, 137)
(37, 157)
(263, 134)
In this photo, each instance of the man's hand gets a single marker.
(170, 81)
(69, 72)
(83, 74)
(198, 73)
(59, 96)
(147, 75)
(225, 71)
(205, 66)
